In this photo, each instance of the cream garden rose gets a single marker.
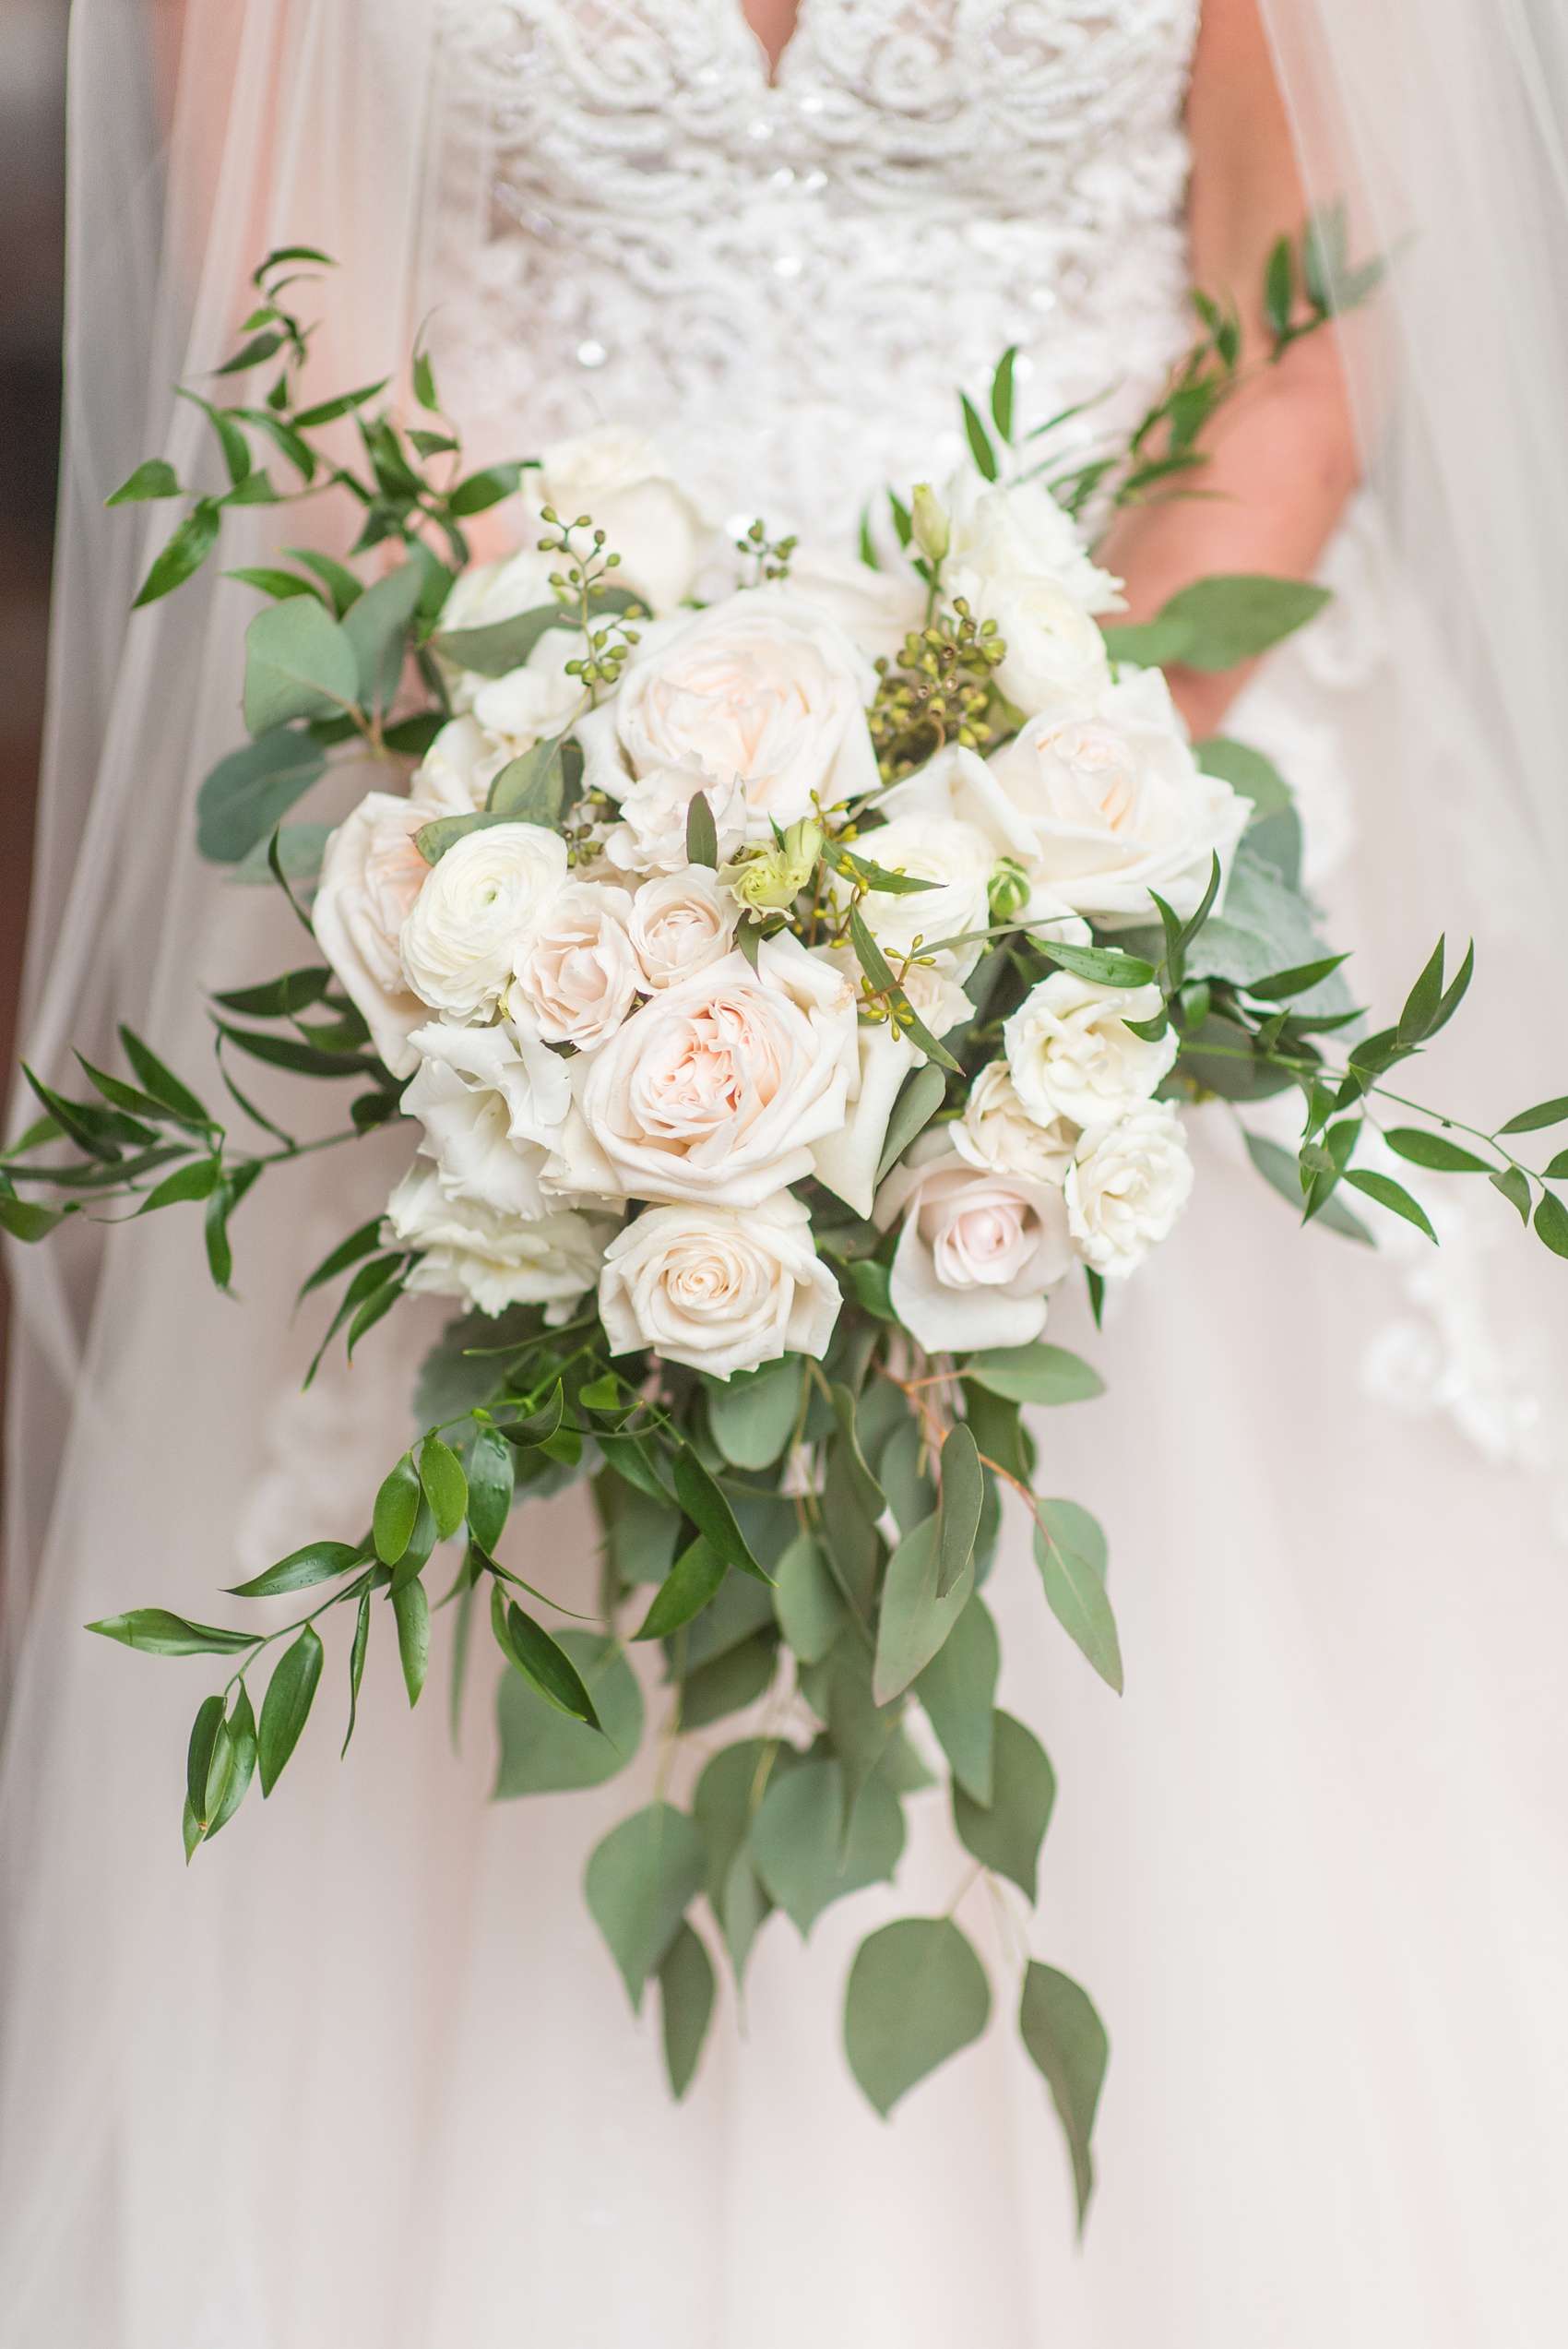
(371, 874)
(651, 834)
(978, 1251)
(1127, 1187)
(996, 1130)
(493, 1102)
(681, 924)
(1071, 1053)
(1055, 652)
(876, 609)
(721, 1288)
(1020, 532)
(764, 686)
(476, 912)
(579, 972)
(959, 858)
(624, 480)
(715, 1089)
(492, 1259)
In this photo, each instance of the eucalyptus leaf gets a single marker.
(958, 1517)
(686, 1987)
(924, 1093)
(641, 1881)
(298, 663)
(376, 625)
(1070, 1552)
(1006, 1833)
(917, 1993)
(957, 1689)
(730, 1682)
(800, 1847)
(811, 1608)
(1234, 617)
(906, 1477)
(545, 1750)
(1035, 1373)
(916, 1615)
(1066, 2040)
(752, 1414)
(247, 794)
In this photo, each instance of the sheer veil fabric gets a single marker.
(364, 2077)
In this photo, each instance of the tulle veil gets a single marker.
(1446, 124)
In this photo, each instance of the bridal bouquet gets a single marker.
(790, 971)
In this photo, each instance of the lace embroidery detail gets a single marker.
(785, 281)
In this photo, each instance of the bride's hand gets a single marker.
(1285, 457)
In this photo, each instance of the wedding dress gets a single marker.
(365, 2078)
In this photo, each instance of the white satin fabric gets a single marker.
(364, 2077)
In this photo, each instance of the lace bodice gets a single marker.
(784, 281)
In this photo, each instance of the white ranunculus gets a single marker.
(997, 1131)
(1055, 652)
(762, 685)
(651, 834)
(493, 1102)
(716, 1089)
(371, 874)
(494, 1261)
(1072, 1054)
(978, 1251)
(580, 972)
(625, 481)
(1115, 805)
(1127, 1187)
(875, 609)
(1021, 532)
(958, 857)
(682, 923)
(721, 1288)
(455, 773)
(478, 910)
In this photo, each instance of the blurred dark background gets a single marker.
(32, 238)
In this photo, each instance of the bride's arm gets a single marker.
(1284, 455)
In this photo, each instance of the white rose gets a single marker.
(492, 1101)
(489, 592)
(537, 699)
(624, 480)
(764, 686)
(959, 786)
(1116, 806)
(371, 874)
(715, 1089)
(997, 1131)
(1072, 1054)
(875, 609)
(721, 1288)
(494, 1261)
(978, 1251)
(1127, 1187)
(455, 776)
(1021, 532)
(958, 857)
(682, 923)
(1055, 652)
(477, 912)
(651, 835)
(580, 973)
(847, 1162)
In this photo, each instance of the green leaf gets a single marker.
(978, 439)
(878, 876)
(906, 1475)
(802, 1850)
(1279, 1169)
(1551, 1224)
(541, 1661)
(153, 479)
(640, 1880)
(1247, 771)
(957, 1690)
(546, 1751)
(531, 789)
(1546, 1113)
(1421, 1004)
(916, 1618)
(356, 1665)
(730, 1682)
(1515, 1190)
(504, 645)
(279, 585)
(1002, 392)
(686, 1995)
(328, 411)
(411, 1607)
(490, 1481)
(1282, 985)
(446, 1487)
(298, 663)
(1235, 617)
(690, 1584)
(1070, 1552)
(702, 835)
(1434, 1150)
(249, 792)
(1066, 2040)
(1035, 1373)
(752, 1414)
(280, 998)
(712, 1515)
(301, 1569)
(286, 1706)
(924, 1093)
(206, 1760)
(158, 1633)
(867, 1282)
(424, 383)
(851, 1461)
(242, 1761)
(1279, 288)
(1106, 966)
(917, 1993)
(962, 1498)
(186, 550)
(1390, 1193)
(484, 489)
(1154, 645)
(397, 1506)
(298, 850)
(810, 1607)
(1006, 1833)
(251, 354)
(25, 1220)
(337, 579)
(376, 627)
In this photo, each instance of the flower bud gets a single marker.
(775, 876)
(932, 530)
(1008, 889)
